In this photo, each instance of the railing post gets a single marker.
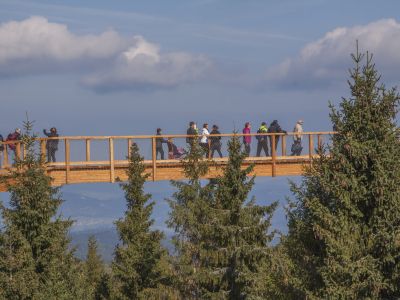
(129, 148)
(18, 150)
(319, 143)
(283, 145)
(154, 153)
(87, 149)
(112, 171)
(67, 159)
(5, 160)
(23, 151)
(273, 154)
(43, 149)
(310, 146)
(209, 148)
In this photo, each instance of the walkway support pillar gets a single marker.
(111, 152)
(154, 157)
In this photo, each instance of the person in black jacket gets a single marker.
(275, 128)
(159, 142)
(51, 145)
(215, 141)
(192, 130)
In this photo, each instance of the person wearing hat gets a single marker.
(51, 145)
(262, 140)
(15, 136)
(297, 137)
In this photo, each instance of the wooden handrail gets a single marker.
(129, 139)
(106, 137)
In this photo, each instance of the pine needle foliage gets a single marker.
(34, 244)
(94, 270)
(235, 248)
(222, 237)
(189, 208)
(344, 229)
(140, 267)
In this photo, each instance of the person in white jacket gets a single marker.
(204, 139)
(298, 129)
(297, 137)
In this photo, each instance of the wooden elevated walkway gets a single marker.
(87, 170)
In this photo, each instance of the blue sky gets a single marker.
(128, 67)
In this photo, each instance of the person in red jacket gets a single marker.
(247, 139)
(15, 136)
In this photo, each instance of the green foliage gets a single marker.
(34, 244)
(344, 229)
(235, 249)
(140, 267)
(221, 238)
(94, 270)
(188, 206)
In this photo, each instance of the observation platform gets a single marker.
(112, 152)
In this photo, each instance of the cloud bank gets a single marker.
(327, 60)
(107, 60)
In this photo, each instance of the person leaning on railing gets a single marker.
(275, 128)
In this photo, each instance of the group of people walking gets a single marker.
(51, 145)
(211, 141)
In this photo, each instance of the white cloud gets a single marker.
(142, 65)
(109, 60)
(327, 60)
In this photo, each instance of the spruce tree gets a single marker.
(35, 237)
(235, 251)
(188, 208)
(94, 270)
(140, 267)
(222, 236)
(344, 229)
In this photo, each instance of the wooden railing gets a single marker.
(310, 142)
